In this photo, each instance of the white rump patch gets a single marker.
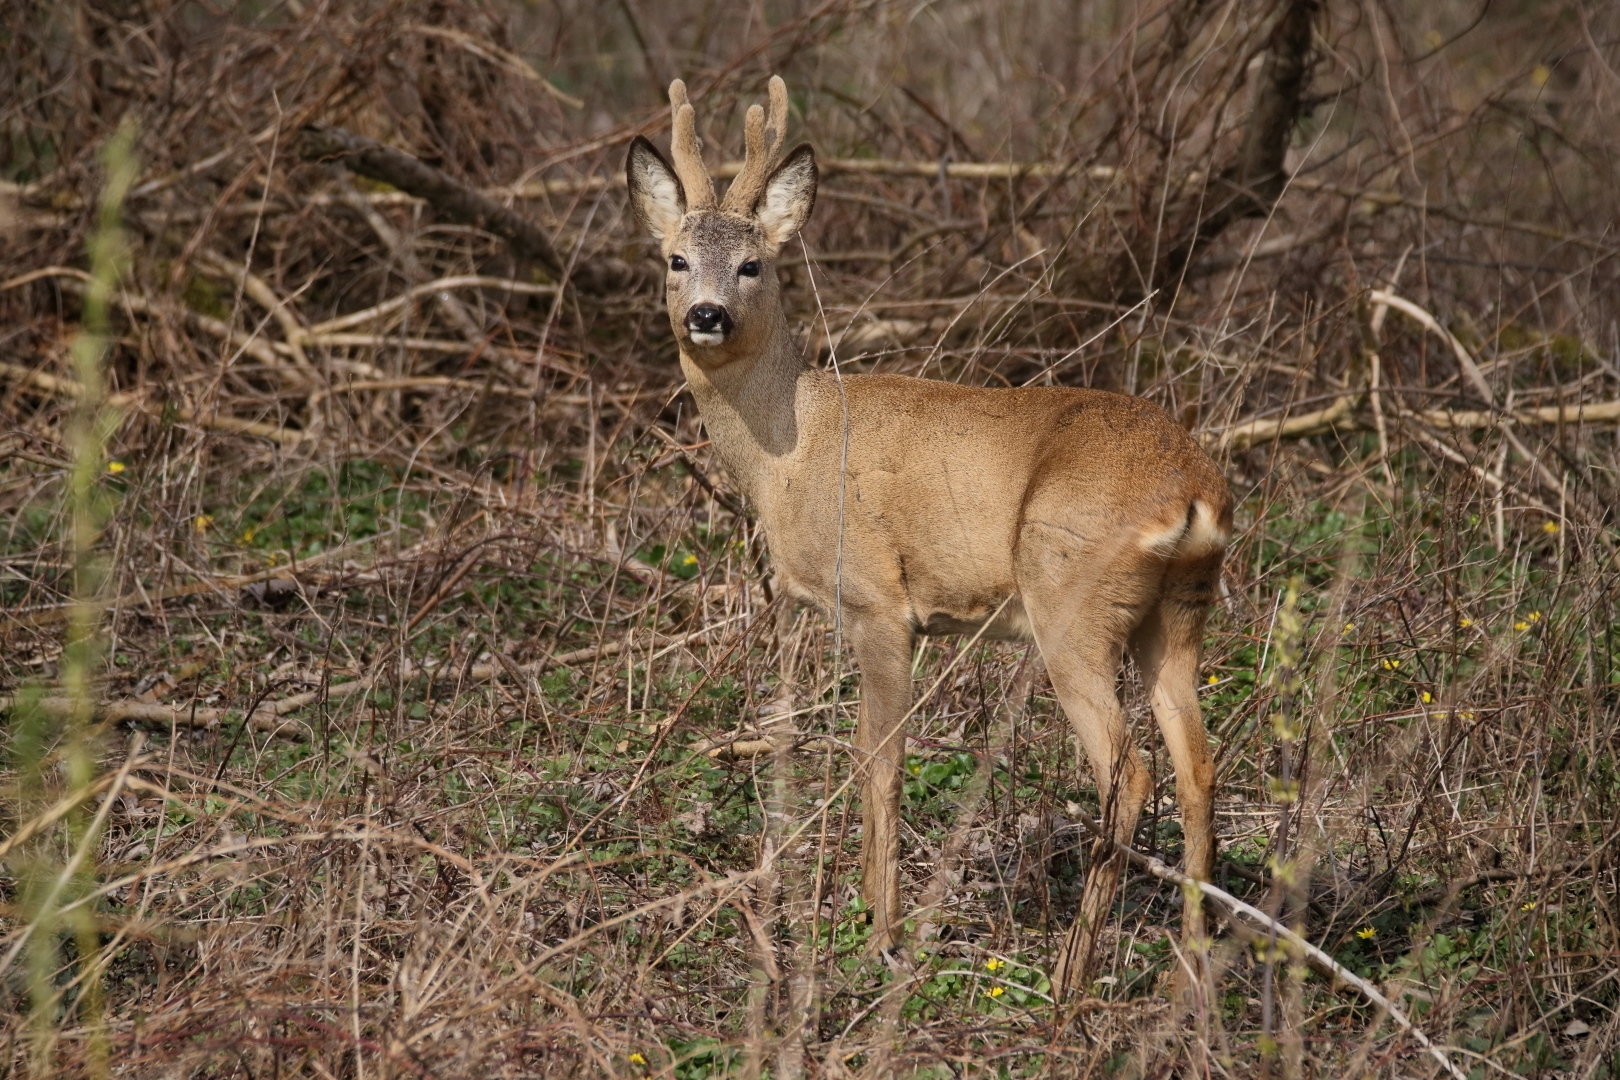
(1194, 538)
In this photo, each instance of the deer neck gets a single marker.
(749, 404)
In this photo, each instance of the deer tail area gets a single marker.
(1199, 534)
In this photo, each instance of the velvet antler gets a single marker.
(763, 141)
(687, 150)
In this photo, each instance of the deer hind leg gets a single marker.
(1089, 698)
(1082, 640)
(1166, 647)
(883, 651)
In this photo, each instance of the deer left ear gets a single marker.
(656, 194)
(789, 196)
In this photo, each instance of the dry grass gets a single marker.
(486, 510)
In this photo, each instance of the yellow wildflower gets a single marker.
(1529, 906)
(1213, 679)
(637, 1059)
(1534, 616)
(1427, 697)
(994, 964)
(1465, 622)
(1465, 716)
(1391, 665)
(248, 534)
(202, 522)
(1367, 932)
(1521, 625)
(115, 467)
(996, 991)
(1349, 626)
(1549, 527)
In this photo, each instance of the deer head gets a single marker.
(721, 288)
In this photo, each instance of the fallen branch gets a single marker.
(458, 202)
(1318, 960)
(1341, 414)
(1588, 412)
(1251, 432)
(450, 197)
(147, 714)
(747, 745)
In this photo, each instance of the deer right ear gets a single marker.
(789, 196)
(656, 194)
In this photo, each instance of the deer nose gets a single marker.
(708, 318)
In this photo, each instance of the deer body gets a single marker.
(1088, 522)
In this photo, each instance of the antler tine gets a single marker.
(687, 150)
(776, 130)
(761, 145)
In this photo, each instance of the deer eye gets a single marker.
(677, 263)
(749, 269)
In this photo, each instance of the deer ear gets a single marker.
(789, 196)
(656, 194)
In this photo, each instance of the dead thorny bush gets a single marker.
(422, 585)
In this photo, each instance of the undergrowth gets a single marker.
(421, 655)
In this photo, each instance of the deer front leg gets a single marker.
(883, 651)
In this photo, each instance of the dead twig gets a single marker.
(484, 50)
(1494, 877)
(1465, 360)
(1319, 961)
(267, 717)
(223, 585)
(57, 386)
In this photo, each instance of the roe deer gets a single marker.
(1087, 521)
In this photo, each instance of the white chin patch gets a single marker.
(707, 337)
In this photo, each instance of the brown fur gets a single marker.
(1090, 520)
